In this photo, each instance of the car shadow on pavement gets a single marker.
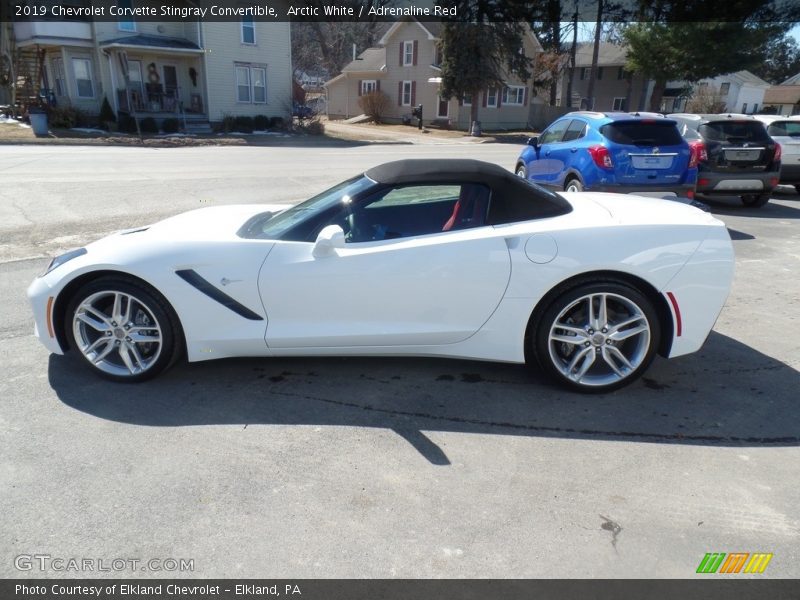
(733, 207)
(726, 395)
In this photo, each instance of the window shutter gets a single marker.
(414, 60)
(400, 93)
(485, 94)
(413, 93)
(378, 85)
(499, 97)
(360, 86)
(401, 53)
(525, 96)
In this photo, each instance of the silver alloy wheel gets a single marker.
(521, 172)
(573, 186)
(599, 339)
(117, 333)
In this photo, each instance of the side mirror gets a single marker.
(328, 240)
(533, 141)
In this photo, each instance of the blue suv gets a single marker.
(612, 152)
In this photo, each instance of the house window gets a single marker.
(514, 95)
(248, 30)
(621, 73)
(466, 99)
(251, 84)
(243, 84)
(437, 55)
(491, 98)
(619, 104)
(58, 75)
(406, 93)
(125, 23)
(599, 72)
(368, 86)
(755, 108)
(408, 53)
(259, 77)
(744, 108)
(724, 88)
(84, 82)
(584, 73)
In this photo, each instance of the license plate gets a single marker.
(654, 161)
(742, 155)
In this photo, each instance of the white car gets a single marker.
(786, 131)
(450, 258)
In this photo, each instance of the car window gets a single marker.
(575, 131)
(303, 221)
(406, 211)
(734, 132)
(555, 132)
(642, 133)
(788, 128)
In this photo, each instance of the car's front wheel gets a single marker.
(597, 337)
(522, 171)
(755, 200)
(124, 330)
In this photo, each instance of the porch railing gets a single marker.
(153, 98)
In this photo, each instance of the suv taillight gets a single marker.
(778, 152)
(601, 157)
(697, 152)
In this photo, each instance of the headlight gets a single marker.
(60, 260)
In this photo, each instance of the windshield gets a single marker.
(642, 133)
(271, 227)
(734, 132)
(789, 128)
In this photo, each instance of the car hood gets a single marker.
(212, 223)
(630, 209)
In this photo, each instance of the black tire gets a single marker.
(797, 189)
(623, 303)
(151, 340)
(521, 171)
(575, 183)
(755, 200)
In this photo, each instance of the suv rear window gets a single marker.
(790, 128)
(642, 133)
(734, 132)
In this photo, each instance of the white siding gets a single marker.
(225, 49)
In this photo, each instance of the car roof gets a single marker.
(436, 170)
(612, 116)
(503, 182)
(700, 118)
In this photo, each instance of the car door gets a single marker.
(545, 169)
(566, 153)
(419, 267)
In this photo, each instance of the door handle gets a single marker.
(547, 153)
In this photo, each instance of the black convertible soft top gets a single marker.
(513, 198)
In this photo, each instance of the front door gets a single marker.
(443, 109)
(420, 268)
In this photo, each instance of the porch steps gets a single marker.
(199, 127)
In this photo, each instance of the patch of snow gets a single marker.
(87, 130)
(177, 135)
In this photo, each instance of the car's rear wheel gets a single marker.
(521, 171)
(797, 189)
(573, 185)
(123, 330)
(755, 200)
(597, 337)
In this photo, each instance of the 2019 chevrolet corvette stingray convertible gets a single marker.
(453, 258)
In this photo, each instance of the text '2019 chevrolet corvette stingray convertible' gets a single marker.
(450, 258)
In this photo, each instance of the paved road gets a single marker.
(390, 467)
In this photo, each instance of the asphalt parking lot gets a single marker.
(383, 467)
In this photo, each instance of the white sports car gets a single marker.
(455, 258)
